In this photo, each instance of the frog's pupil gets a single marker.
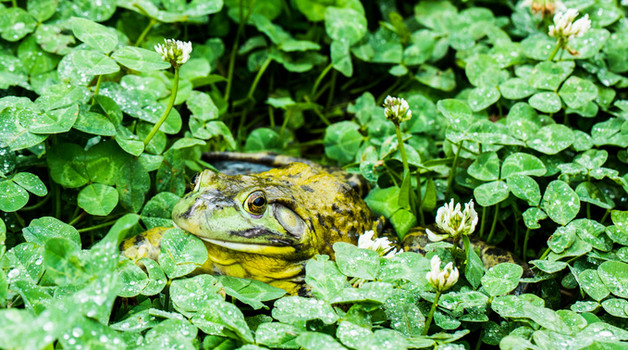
(259, 201)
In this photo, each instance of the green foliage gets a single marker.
(538, 144)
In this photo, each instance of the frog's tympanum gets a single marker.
(267, 225)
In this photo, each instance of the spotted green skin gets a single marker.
(308, 210)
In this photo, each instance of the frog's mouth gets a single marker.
(273, 248)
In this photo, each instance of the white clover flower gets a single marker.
(565, 28)
(397, 109)
(380, 245)
(174, 51)
(454, 221)
(442, 279)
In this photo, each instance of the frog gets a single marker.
(267, 225)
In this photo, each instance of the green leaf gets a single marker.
(458, 113)
(590, 282)
(202, 106)
(342, 141)
(158, 210)
(156, 277)
(590, 193)
(547, 102)
(275, 334)
(431, 76)
(549, 75)
(491, 193)
(15, 23)
(345, 24)
(620, 219)
(577, 92)
(532, 216)
(191, 294)
(139, 59)
(560, 202)
(90, 62)
(501, 279)
(132, 184)
(551, 139)
(42, 9)
(341, 57)
(251, 292)
(223, 318)
(263, 139)
(94, 123)
(31, 183)
(41, 230)
(313, 340)
(515, 89)
(355, 262)
(324, 277)
(62, 261)
(94, 35)
(548, 266)
(614, 274)
(293, 309)
(13, 196)
(132, 279)
(524, 187)
(474, 269)
(523, 121)
(484, 70)
(482, 97)
(181, 253)
(522, 164)
(485, 167)
(102, 12)
(616, 307)
(592, 159)
(98, 199)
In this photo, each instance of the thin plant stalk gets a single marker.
(402, 150)
(320, 79)
(490, 234)
(145, 32)
(430, 316)
(558, 46)
(452, 174)
(173, 96)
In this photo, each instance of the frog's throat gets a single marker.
(254, 248)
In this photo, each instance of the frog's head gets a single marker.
(277, 213)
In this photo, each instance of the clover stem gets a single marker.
(173, 96)
(142, 36)
(525, 245)
(490, 234)
(96, 227)
(258, 77)
(559, 44)
(430, 316)
(97, 88)
(402, 150)
(484, 211)
(452, 173)
(234, 49)
(320, 79)
(419, 198)
(332, 88)
(14, 2)
(547, 251)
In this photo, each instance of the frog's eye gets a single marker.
(255, 203)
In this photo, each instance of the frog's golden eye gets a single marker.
(255, 203)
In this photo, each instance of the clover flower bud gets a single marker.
(381, 245)
(397, 109)
(564, 27)
(442, 279)
(454, 221)
(174, 51)
(543, 7)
